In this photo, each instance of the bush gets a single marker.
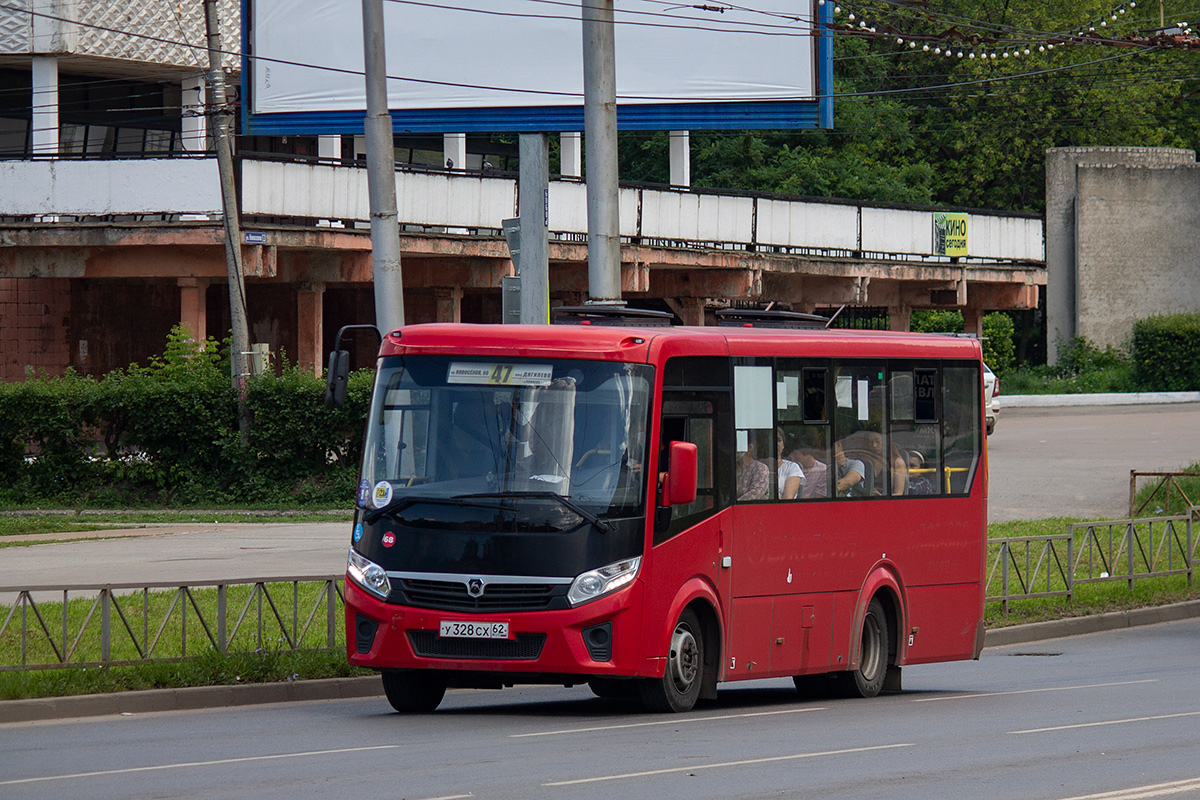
(167, 434)
(998, 347)
(1167, 353)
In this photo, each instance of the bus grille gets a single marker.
(526, 647)
(452, 596)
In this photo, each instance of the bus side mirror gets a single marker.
(336, 375)
(679, 487)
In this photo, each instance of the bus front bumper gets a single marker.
(602, 638)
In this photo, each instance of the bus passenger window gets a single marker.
(916, 434)
(961, 422)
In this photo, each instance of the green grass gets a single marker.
(154, 623)
(24, 522)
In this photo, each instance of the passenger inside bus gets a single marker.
(854, 479)
(753, 476)
(790, 473)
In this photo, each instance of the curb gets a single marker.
(202, 697)
(1118, 399)
(187, 699)
(1075, 626)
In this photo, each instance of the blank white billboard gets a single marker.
(492, 63)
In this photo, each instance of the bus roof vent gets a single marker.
(612, 315)
(768, 318)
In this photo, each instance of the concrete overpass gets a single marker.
(85, 239)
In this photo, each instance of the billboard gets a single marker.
(517, 65)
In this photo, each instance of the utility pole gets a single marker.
(239, 367)
(600, 135)
(381, 175)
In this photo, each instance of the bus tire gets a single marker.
(867, 680)
(414, 691)
(679, 687)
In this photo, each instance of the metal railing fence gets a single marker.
(121, 624)
(1052, 565)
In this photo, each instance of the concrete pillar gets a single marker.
(693, 310)
(194, 134)
(449, 303)
(571, 154)
(310, 331)
(681, 158)
(973, 321)
(900, 318)
(45, 105)
(193, 306)
(454, 150)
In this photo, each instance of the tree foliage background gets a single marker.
(913, 125)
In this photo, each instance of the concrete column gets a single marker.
(195, 124)
(193, 306)
(454, 150)
(310, 330)
(45, 105)
(681, 158)
(900, 318)
(973, 321)
(449, 303)
(571, 157)
(693, 310)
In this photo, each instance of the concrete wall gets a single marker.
(1138, 248)
(1145, 242)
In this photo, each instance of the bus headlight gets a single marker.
(595, 584)
(368, 574)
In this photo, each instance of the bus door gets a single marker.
(695, 539)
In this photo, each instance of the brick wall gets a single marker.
(34, 326)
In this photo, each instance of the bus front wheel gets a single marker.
(414, 691)
(867, 680)
(679, 687)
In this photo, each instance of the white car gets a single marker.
(991, 395)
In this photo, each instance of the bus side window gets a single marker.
(916, 428)
(690, 420)
(961, 426)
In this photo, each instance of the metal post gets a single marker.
(1132, 491)
(239, 366)
(534, 209)
(1004, 577)
(600, 134)
(105, 625)
(222, 645)
(381, 175)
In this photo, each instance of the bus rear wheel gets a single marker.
(413, 691)
(867, 680)
(679, 687)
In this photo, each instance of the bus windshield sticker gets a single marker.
(495, 374)
(864, 411)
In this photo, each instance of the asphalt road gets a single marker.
(1065, 718)
(1056, 462)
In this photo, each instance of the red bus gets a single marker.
(655, 510)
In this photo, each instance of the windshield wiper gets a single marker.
(602, 524)
(401, 503)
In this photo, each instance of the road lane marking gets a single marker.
(671, 721)
(245, 759)
(744, 763)
(1110, 722)
(1033, 691)
(1138, 792)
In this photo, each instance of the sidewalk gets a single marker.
(202, 697)
(1072, 400)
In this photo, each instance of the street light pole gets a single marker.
(600, 138)
(240, 356)
(381, 175)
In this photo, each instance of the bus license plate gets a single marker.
(472, 630)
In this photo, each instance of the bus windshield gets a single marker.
(568, 436)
